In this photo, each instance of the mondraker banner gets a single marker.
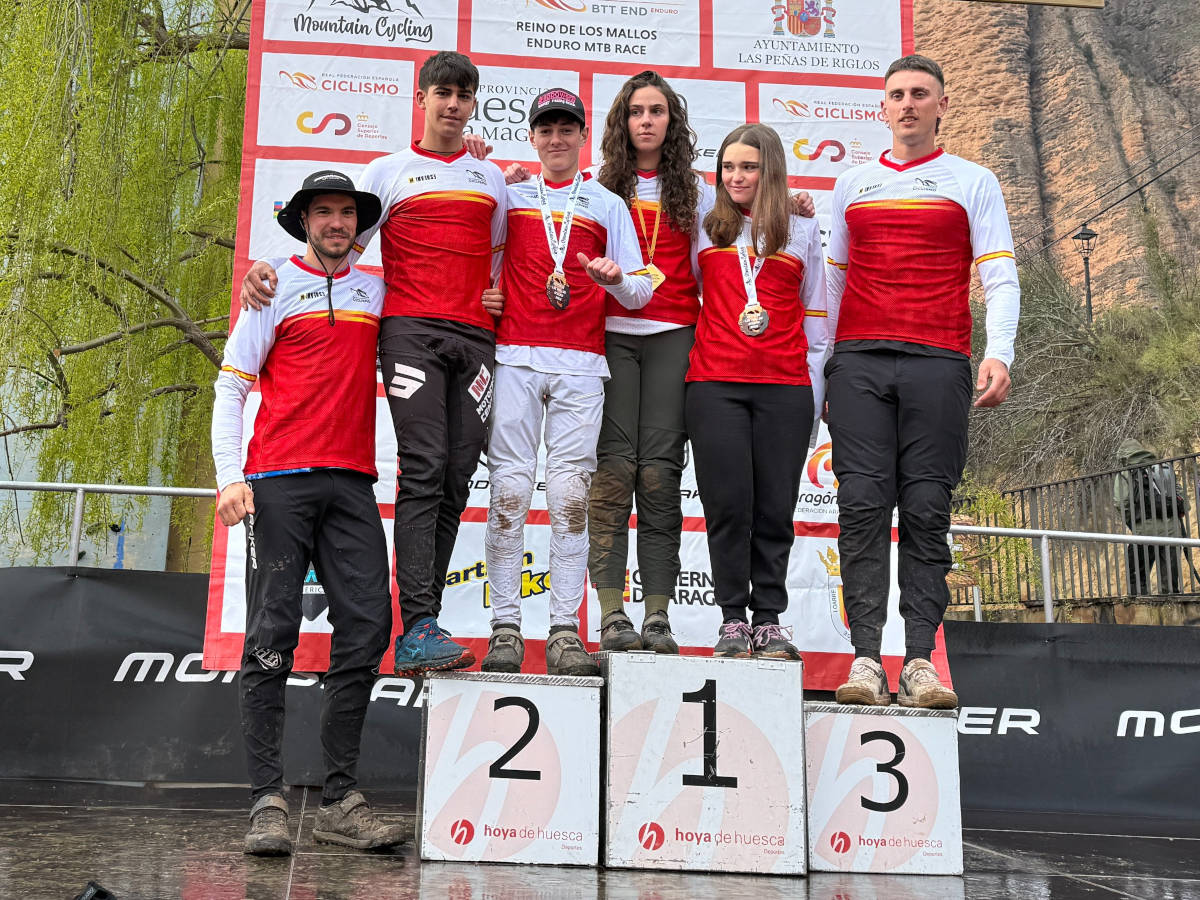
(331, 84)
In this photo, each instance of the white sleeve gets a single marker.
(814, 294)
(708, 199)
(992, 246)
(374, 180)
(633, 291)
(499, 223)
(245, 352)
(836, 258)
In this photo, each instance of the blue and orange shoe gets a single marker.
(426, 648)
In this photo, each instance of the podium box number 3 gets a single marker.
(883, 790)
(705, 764)
(511, 769)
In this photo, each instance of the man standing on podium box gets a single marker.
(905, 232)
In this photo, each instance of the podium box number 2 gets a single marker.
(705, 764)
(883, 790)
(511, 769)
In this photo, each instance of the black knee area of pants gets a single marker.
(612, 491)
(924, 522)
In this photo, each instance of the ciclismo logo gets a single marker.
(651, 836)
(801, 150)
(462, 832)
(299, 79)
(575, 6)
(840, 842)
(829, 111)
(304, 123)
(335, 83)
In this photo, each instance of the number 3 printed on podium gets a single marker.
(497, 769)
(888, 768)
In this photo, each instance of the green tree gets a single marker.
(120, 146)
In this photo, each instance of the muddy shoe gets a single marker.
(427, 648)
(268, 834)
(617, 633)
(656, 634)
(921, 687)
(351, 823)
(506, 650)
(566, 655)
(734, 641)
(866, 685)
(771, 641)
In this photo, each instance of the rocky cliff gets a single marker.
(1065, 105)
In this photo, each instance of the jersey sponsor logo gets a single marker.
(358, 295)
(924, 184)
(406, 381)
(869, 188)
(304, 123)
(476, 177)
(801, 150)
(311, 295)
(417, 179)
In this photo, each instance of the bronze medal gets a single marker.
(754, 320)
(558, 292)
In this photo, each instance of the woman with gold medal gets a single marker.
(754, 385)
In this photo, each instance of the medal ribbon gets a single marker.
(651, 242)
(749, 275)
(558, 243)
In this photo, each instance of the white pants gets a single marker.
(572, 406)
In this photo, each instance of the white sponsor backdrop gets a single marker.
(331, 85)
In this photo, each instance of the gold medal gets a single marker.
(558, 292)
(655, 273)
(754, 320)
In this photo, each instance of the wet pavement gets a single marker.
(185, 842)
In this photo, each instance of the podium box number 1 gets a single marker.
(883, 789)
(511, 769)
(705, 764)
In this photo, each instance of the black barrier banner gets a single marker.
(1083, 719)
(101, 679)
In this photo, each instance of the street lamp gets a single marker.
(1085, 242)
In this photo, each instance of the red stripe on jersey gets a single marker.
(318, 396)
(721, 352)
(677, 299)
(437, 256)
(528, 318)
(909, 273)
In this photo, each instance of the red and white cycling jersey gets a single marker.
(903, 238)
(601, 227)
(676, 301)
(317, 379)
(790, 287)
(442, 229)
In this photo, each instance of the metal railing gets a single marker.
(1041, 537)
(1089, 504)
(82, 490)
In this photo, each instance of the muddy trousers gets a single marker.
(640, 451)
(439, 390)
(571, 407)
(328, 517)
(749, 442)
(899, 427)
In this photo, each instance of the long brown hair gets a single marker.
(770, 213)
(679, 192)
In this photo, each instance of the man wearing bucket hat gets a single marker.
(305, 495)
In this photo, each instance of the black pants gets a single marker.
(329, 518)
(1140, 560)
(749, 442)
(899, 427)
(641, 450)
(439, 385)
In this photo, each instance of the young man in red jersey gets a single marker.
(570, 244)
(312, 467)
(442, 227)
(906, 230)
